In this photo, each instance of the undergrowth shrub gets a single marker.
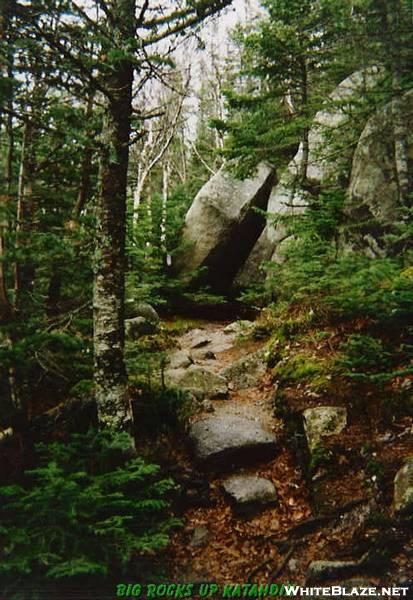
(89, 508)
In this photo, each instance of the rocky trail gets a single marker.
(253, 510)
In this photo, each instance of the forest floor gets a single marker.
(340, 511)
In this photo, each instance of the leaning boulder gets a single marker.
(322, 422)
(373, 198)
(198, 381)
(289, 197)
(222, 225)
(403, 488)
(227, 440)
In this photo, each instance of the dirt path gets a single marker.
(280, 542)
(215, 543)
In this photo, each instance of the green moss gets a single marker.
(303, 368)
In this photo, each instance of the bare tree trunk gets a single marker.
(86, 167)
(109, 273)
(165, 196)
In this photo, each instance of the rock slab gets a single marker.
(224, 441)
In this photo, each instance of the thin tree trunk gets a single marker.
(109, 276)
(165, 196)
(86, 167)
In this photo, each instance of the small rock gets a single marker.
(319, 570)
(138, 327)
(247, 371)
(209, 355)
(207, 406)
(180, 360)
(250, 492)
(239, 328)
(198, 381)
(403, 488)
(323, 421)
(142, 309)
(293, 565)
(226, 440)
(200, 536)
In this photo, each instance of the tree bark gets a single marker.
(109, 273)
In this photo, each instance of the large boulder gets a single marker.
(289, 198)
(373, 191)
(227, 440)
(403, 488)
(222, 225)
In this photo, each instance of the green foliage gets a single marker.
(87, 509)
(362, 356)
(161, 410)
(153, 245)
(157, 408)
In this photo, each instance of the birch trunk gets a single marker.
(6, 310)
(109, 272)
